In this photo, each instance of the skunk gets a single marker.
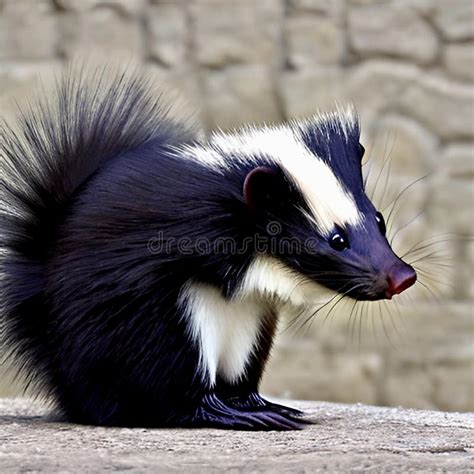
(144, 268)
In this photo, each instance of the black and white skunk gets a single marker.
(143, 269)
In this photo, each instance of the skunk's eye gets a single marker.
(381, 223)
(339, 241)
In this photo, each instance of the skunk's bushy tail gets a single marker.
(54, 147)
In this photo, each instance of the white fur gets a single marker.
(225, 331)
(204, 155)
(329, 201)
(269, 278)
(345, 117)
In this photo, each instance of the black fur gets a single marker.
(92, 185)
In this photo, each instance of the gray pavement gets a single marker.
(344, 438)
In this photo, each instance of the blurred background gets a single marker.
(407, 65)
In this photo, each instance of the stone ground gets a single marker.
(355, 438)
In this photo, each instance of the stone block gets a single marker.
(469, 271)
(298, 369)
(103, 31)
(450, 205)
(463, 270)
(180, 90)
(440, 339)
(167, 33)
(437, 332)
(425, 8)
(21, 81)
(237, 32)
(375, 86)
(412, 149)
(306, 91)
(456, 19)
(439, 104)
(453, 387)
(393, 360)
(333, 8)
(313, 40)
(457, 161)
(408, 387)
(459, 60)
(28, 31)
(169, 2)
(239, 95)
(390, 29)
(127, 7)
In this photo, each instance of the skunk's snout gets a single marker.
(400, 277)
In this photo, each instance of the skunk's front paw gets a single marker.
(218, 413)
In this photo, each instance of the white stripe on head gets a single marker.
(330, 203)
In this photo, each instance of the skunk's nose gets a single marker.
(400, 277)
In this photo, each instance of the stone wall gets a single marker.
(407, 65)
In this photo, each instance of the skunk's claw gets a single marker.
(254, 401)
(216, 413)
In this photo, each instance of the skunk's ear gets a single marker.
(262, 185)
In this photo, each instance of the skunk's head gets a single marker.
(304, 191)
